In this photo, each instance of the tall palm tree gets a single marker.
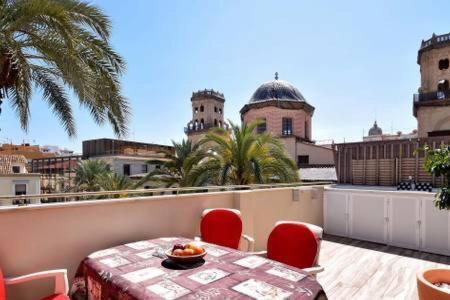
(87, 174)
(176, 168)
(113, 182)
(57, 46)
(241, 156)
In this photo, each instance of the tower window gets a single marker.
(215, 122)
(286, 126)
(220, 111)
(202, 109)
(196, 110)
(262, 127)
(126, 169)
(215, 108)
(443, 64)
(306, 130)
(303, 160)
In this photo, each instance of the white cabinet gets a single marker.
(403, 219)
(336, 213)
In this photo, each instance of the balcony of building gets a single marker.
(59, 235)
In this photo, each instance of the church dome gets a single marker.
(276, 90)
(375, 130)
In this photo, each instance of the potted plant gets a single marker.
(435, 283)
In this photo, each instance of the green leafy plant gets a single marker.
(61, 47)
(176, 168)
(437, 162)
(240, 156)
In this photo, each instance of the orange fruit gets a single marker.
(188, 252)
(197, 250)
(178, 252)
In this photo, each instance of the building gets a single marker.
(127, 158)
(57, 172)
(207, 113)
(382, 159)
(432, 103)
(376, 134)
(56, 150)
(286, 114)
(15, 179)
(28, 151)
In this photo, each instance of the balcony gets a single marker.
(59, 235)
(431, 96)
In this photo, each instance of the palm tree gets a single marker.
(113, 182)
(176, 167)
(87, 174)
(57, 46)
(242, 157)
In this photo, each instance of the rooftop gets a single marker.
(7, 162)
(354, 269)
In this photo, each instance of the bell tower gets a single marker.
(207, 113)
(432, 103)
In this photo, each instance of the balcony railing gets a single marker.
(437, 95)
(102, 195)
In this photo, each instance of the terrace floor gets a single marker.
(363, 270)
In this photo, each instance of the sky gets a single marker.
(354, 61)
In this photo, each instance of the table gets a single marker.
(139, 270)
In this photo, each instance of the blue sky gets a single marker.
(355, 61)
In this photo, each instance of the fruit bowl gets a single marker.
(186, 254)
(191, 259)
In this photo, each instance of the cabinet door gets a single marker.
(435, 228)
(404, 221)
(336, 213)
(368, 217)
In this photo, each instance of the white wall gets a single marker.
(404, 219)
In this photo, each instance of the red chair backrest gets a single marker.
(292, 244)
(221, 227)
(2, 287)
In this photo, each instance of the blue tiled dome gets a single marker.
(277, 90)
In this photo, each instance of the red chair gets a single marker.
(223, 226)
(60, 277)
(296, 244)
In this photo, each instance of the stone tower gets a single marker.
(207, 112)
(432, 103)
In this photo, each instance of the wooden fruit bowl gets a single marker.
(191, 259)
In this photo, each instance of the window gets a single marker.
(196, 110)
(286, 126)
(215, 108)
(202, 108)
(443, 64)
(20, 189)
(16, 169)
(215, 122)
(303, 159)
(202, 124)
(306, 130)
(262, 127)
(144, 168)
(220, 111)
(126, 169)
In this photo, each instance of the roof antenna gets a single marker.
(276, 75)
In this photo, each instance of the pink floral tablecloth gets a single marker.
(139, 270)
